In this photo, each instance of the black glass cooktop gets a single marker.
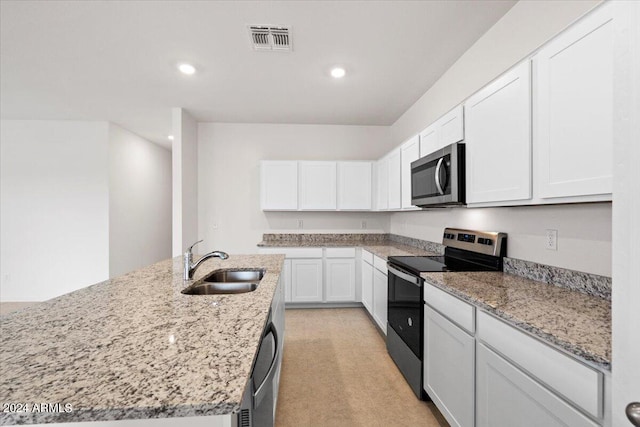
(427, 264)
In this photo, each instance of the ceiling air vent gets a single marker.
(265, 37)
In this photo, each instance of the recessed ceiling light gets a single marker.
(338, 72)
(187, 69)
(170, 137)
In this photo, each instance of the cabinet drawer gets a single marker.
(367, 257)
(380, 264)
(578, 383)
(341, 252)
(455, 309)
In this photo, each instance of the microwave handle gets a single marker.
(438, 184)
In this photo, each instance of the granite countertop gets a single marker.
(573, 321)
(380, 247)
(136, 347)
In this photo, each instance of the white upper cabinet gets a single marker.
(279, 185)
(382, 187)
(573, 118)
(394, 181)
(317, 185)
(354, 185)
(409, 152)
(447, 130)
(429, 140)
(498, 138)
(451, 127)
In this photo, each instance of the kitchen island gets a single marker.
(135, 347)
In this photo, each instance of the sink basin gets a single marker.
(227, 276)
(227, 282)
(209, 288)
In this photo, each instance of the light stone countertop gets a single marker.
(578, 323)
(381, 249)
(136, 347)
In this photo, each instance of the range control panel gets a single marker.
(486, 242)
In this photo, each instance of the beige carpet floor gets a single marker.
(336, 372)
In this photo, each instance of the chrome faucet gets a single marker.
(190, 267)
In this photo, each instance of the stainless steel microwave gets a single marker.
(438, 179)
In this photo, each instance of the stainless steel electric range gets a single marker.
(465, 250)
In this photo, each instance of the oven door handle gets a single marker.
(405, 276)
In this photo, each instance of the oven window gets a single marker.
(405, 312)
(423, 181)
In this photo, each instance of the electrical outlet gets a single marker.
(300, 224)
(551, 240)
(363, 225)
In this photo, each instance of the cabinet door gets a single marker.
(367, 286)
(317, 185)
(394, 179)
(410, 152)
(340, 279)
(354, 185)
(429, 140)
(449, 372)
(380, 299)
(382, 176)
(506, 396)
(574, 109)
(306, 280)
(498, 139)
(279, 185)
(451, 127)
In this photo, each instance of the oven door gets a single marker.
(405, 307)
(438, 179)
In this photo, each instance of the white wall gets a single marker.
(54, 207)
(229, 190)
(185, 180)
(584, 231)
(139, 202)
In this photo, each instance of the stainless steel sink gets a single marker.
(227, 282)
(227, 276)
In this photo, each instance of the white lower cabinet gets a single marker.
(340, 276)
(367, 285)
(506, 396)
(306, 280)
(508, 377)
(374, 288)
(449, 373)
(317, 275)
(380, 299)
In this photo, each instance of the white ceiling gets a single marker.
(115, 60)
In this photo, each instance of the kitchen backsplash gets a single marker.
(591, 284)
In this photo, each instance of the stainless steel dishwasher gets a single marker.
(257, 409)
